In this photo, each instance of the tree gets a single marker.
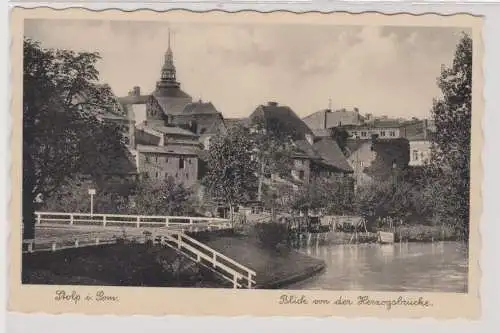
(450, 158)
(61, 135)
(165, 198)
(231, 175)
(272, 150)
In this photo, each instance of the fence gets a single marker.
(227, 268)
(52, 245)
(116, 220)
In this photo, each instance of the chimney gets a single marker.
(272, 103)
(325, 121)
(356, 110)
(137, 91)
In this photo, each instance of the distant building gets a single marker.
(311, 158)
(167, 143)
(325, 119)
(419, 133)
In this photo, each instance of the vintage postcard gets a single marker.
(246, 163)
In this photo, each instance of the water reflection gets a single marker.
(439, 267)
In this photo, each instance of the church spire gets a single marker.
(168, 72)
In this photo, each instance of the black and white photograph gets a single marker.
(207, 154)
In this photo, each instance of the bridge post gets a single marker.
(249, 280)
(179, 240)
(166, 221)
(138, 221)
(71, 219)
(235, 281)
(104, 221)
(53, 246)
(38, 218)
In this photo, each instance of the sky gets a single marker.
(381, 70)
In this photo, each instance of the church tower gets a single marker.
(168, 93)
(168, 73)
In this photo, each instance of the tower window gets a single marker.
(181, 163)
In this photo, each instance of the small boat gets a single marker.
(385, 237)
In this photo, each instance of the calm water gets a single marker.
(431, 267)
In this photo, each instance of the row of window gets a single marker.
(382, 133)
(157, 175)
(157, 159)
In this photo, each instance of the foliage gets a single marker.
(330, 195)
(61, 135)
(340, 135)
(272, 235)
(389, 154)
(272, 149)
(450, 160)
(165, 198)
(231, 169)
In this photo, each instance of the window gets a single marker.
(363, 133)
(355, 133)
(415, 155)
(147, 158)
(145, 175)
(392, 133)
(181, 163)
(301, 174)
(156, 174)
(382, 133)
(156, 159)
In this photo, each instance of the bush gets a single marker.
(272, 235)
(425, 233)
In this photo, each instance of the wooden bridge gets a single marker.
(58, 231)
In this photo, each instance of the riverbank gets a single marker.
(137, 264)
(125, 264)
(275, 268)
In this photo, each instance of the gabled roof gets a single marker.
(333, 118)
(331, 154)
(283, 119)
(305, 149)
(170, 92)
(200, 108)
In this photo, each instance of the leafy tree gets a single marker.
(450, 158)
(340, 135)
(62, 137)
(165, 198)
(231, 175)
(272, 150)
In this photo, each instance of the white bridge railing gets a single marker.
(232, 271)
(117, 220)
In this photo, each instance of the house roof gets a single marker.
(333, 118)
(282, 118)
(170, 92)
(173, 130)
(321, 132)
(305, 149)
(169, 149)
(331, 154)
(200, 108)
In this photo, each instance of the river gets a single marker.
(429, 267)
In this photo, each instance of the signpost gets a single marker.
(92, 193)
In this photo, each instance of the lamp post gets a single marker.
(92, 193)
